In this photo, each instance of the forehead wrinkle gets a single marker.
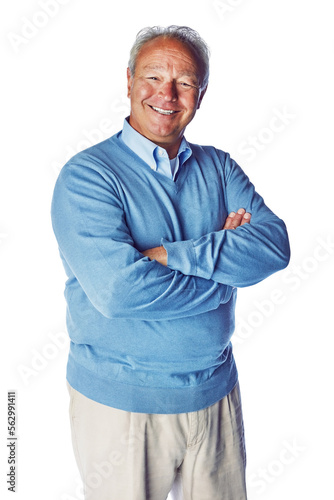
(155, 66)
(162, 54)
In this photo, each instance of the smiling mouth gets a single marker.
(163, 111)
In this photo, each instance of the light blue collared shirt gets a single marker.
(155, 156)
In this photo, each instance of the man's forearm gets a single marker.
(234, 220)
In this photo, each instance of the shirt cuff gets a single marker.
(181, 256)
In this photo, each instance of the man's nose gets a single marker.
(168, 91)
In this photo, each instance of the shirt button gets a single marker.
(153, 167)
(161, 153)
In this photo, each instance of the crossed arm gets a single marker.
(234, 220)
(200, 272)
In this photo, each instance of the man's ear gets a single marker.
(202, 93)
(129, 78)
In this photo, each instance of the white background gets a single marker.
(64, 88)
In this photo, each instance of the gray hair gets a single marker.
(184, 34)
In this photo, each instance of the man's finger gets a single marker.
(236, 219)
(229, 221)
(246, 219)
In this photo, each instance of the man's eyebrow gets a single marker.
(159, 67)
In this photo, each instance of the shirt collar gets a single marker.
(148, 151)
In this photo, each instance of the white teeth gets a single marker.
(163, 111)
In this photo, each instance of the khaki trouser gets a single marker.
(137, 456)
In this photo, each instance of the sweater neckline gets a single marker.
(174, 183)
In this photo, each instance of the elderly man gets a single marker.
(156, 234)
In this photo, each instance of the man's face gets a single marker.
(165, 92)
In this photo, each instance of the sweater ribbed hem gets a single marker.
(160, 400)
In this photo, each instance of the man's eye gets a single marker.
(153, 78)
(186, 86)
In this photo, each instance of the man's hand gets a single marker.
(236, 219)
(158, 253)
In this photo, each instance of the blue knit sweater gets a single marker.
(145, 337)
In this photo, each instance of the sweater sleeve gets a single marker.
(89, 222)
(240, 257)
